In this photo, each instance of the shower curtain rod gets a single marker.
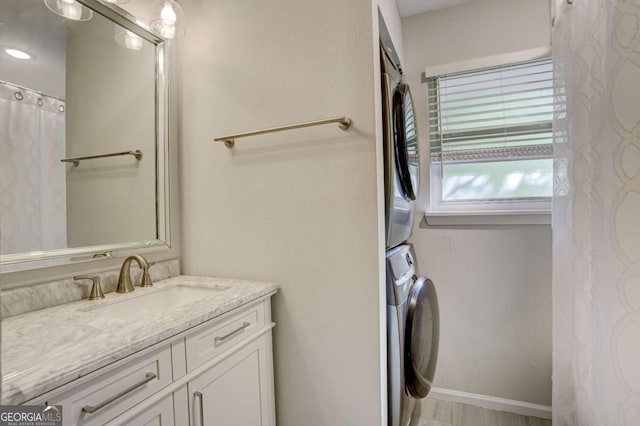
(31, 90)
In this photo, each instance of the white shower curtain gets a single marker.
(32, 178)
(596, 214)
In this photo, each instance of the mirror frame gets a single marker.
(39, 259)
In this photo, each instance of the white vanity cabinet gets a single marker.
(218, 373)
(105, 395)
(237, 391)
(161, 414)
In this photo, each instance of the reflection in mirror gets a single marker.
(73, 94)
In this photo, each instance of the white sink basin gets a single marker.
(156, 302)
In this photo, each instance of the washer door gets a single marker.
(421, 338)
(406, 142)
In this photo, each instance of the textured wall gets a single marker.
(301, 207)
(494, 284)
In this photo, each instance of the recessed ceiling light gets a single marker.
(16, 53)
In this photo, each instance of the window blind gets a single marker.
(501, 113)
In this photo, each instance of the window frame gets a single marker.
(522, 211)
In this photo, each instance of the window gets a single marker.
(491, 141)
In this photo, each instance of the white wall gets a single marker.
(474, 30)
(300, 208)
(494, 284)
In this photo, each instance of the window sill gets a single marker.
(500, 218)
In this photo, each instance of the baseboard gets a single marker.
(492, 402)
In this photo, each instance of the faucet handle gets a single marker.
(146, 277)
(96, 288)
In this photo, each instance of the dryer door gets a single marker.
(421, 338)
(406, 142)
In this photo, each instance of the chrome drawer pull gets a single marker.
(91, 409)
(233, 333)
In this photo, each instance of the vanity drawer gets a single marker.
(208, 342)
(109, 394)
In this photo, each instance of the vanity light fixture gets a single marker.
(127, 38)
(17, 53)
(167, 19)
(69, 9)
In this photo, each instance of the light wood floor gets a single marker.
(434, 412)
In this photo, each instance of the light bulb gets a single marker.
(70, 9)
(168, 14)
(127, 38)
(167, 19)
(132, 40)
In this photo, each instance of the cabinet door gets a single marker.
(235, 392)
(159, 414)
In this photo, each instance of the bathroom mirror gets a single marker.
(83, 133)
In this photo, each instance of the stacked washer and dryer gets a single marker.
(412, 305)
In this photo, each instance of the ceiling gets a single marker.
(414, 7)
(29, 26)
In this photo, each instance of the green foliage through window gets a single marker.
(490, 132)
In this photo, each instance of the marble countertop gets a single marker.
(44, 349)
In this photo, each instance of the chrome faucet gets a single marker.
(124, 281)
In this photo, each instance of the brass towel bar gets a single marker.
(344, 123)
(76, 160)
